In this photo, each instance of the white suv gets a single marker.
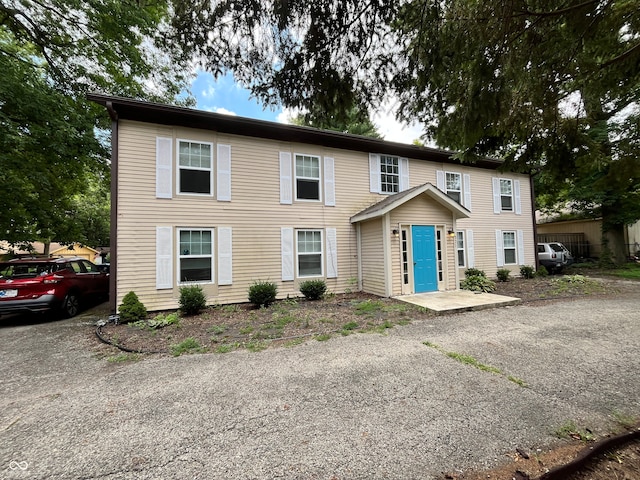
(553, 256)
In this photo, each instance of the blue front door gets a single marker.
(425, 266)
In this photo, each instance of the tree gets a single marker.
(551, 87)
(51, 143)
(355, 121)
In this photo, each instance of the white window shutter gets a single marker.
(520, 235)
(225, 261)
(440, 180)
(329, 182)
(497, 204)
(471, 258)
(286, 186)
(466, 186)
(164, 258)
(516, 195)
(404, 174)
(499, 249)
(286, 245)
(332, 253)
(224, 173)
(164, 167)
(374, 173)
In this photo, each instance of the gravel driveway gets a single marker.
(362, 406)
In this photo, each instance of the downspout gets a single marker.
(113, 232)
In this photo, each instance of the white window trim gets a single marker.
(515, 247)
(297, 253)
(375, 174)
(296, 177)
(463, 249)
(460, 192)
(398, 175)
(179, 167)
(211, 255)
(502, 209)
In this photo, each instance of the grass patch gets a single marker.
(368, 307)
(246, 330)
(323, 337)
(570, 430)
(294, 342)
(630, 271)
(256, 346)
(218, 329)
(124, 357)
(188, 345)
(226, 348)
(473, 362)
(625, 420)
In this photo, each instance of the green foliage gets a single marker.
(263, 294)
(570, 430)
(131, 309)
(354, 120)
(188, 345)
(527, 271)
(159, 321)
(503, 274)
(478, 283)
(563, 108)
(542, 271)
(53, 143)
(313, 289)
(474, 272)
(192, 299)
(368, 307)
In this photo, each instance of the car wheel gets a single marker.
(71, 305)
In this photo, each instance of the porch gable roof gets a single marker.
(394, 201)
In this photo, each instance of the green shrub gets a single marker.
(263, 294)
(527, 271)
(503, 274)
(542, 271)
(474, 272)
(131, 309)
(192, 299)
(478, 283)
(313, 289)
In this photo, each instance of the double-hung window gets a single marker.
(307, 177)
(506, 195)
(509, 247)
(309, 253)
(460, 249)
(196, 255)
(454, 186)
(389, 174)
(195, 167)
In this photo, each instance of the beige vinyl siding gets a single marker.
(373, 257)
(256, 216)
(254, 213)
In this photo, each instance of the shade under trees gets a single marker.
(553, 88)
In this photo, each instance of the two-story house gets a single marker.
(224, 201)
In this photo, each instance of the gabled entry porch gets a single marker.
(405, 242)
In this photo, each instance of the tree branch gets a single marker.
(622, 56)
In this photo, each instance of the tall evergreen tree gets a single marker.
(551, 87)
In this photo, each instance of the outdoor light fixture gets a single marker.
(451, 233)
(395, 232)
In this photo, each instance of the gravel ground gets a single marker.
(359, 406)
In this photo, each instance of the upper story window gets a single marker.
(307, 177)
(454, 186)
(506, 195)
(195, 167)
(389, 174)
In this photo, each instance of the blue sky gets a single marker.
(226, 96)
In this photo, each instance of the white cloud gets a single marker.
(287, 113)
(224, 111)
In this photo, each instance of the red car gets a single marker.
(36, 285)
